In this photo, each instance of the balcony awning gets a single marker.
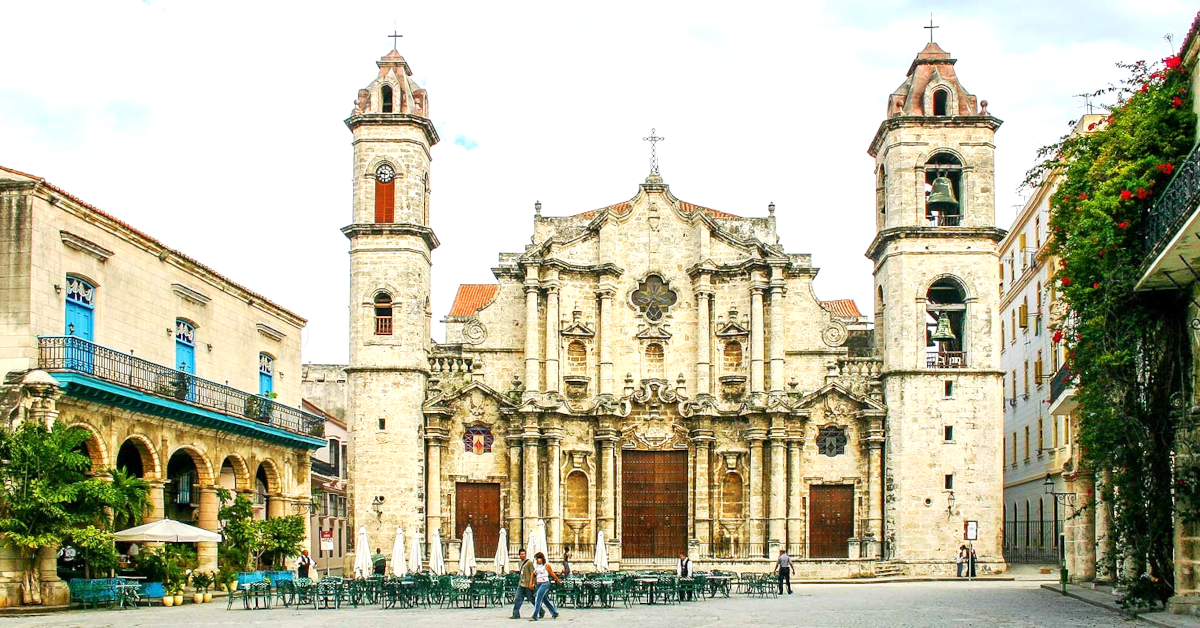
(83, 386)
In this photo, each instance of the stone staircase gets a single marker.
(887, 569)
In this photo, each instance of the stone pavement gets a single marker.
(990, 603)
(1103, 597)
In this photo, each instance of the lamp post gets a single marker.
(1065, 498)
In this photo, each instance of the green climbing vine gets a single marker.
(1129, 351)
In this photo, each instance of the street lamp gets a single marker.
(1064, 498)
(309, 506)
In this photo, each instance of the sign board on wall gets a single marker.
(970, 530)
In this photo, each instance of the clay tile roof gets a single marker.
(155, 242)
(472, 297)
(393, 55)
(842, 308)
(619, 208)
(691, 207)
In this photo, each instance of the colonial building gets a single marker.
(663, 372)
(181, 376)
(329, 538)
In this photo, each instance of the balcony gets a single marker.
(946, 360)
(95, 372)
(1171, 244)
(1062, 392)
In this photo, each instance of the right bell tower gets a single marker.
(936, 321)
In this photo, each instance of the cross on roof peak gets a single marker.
(654, 139)
(931, 27)
(395, 37)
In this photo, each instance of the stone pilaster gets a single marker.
(703, 337)
(795, 513)
(755, 486)
(434, 440)
(552, 337)
(1081, 530)
(777, 325)
(157, 502)
(514, 486)
(776, 531)
(606, 494)
(554, 485)
(206, 552)
(757, 383)
(531, 510)
(605, 295)
(702, 476)
(875, 444)
(532, 348)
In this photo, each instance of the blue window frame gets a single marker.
(80, 310)
(266, 374)
(185, 346)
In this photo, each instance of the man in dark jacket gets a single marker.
(525, 586)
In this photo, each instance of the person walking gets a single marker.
(304, 565)
(786, 569)
(959, 560)
(524, 586)
(566, 570)
(542, 573)
(684, 571)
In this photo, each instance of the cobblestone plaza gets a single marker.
(990, 603)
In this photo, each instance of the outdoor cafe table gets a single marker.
(647, 584)
(718, 583)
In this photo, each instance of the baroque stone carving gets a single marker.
(831, 441)
(474, 332)
(835, 334)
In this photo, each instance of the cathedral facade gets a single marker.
(663, 373)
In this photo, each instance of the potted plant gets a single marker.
(201, 580)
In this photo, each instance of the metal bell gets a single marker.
(943, 331)
(941, 197)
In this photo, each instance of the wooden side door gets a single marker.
(478, 505)
(654, 503)
(830, 520)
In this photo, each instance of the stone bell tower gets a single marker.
(936, 309)
(390, 245)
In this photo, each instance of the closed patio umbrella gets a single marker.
(501, 559)
(466, 558)
(437, 563)
(414, 557)
(537, 541)
(601, 559)
(398, 566)
(362, 555)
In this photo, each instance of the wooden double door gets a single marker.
(830, 520)
(478, 505)
(654, 503)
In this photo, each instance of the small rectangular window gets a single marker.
(948, 432)
(382, 424)
(948, 388)
(949, 481)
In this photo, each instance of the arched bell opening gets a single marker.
(945, 324)
(943, 190)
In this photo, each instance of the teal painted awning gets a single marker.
(90, 388)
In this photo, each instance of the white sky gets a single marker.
(217, 126)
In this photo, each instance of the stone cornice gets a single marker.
(394, 119)
(84, 245)
(891, 124)
(398, 228)
(941, 233)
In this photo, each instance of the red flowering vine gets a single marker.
(1126, 195)
(1166, 168)
(1124, 224)
(1176, 102)
(1083, 196)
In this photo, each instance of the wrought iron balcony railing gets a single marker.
(1173, 207)
(1063, 380)
(946, 360)
(70, 353)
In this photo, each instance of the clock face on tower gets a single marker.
(385, 174)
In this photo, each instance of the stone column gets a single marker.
(157, 502)
(776, 342)
(433, 482)
(795, 525)
(532, 350)
(606, 494)
(755, 485)
(605, 331)
(875, 489)
(206, 552)
(756, 338)
(276, 505)
(778, 485)
(552, 338)
(702, 440)
(1081, 531)
(530, 512)
(1106, 550)
(703, 338)
(554, 486)
(514, 487)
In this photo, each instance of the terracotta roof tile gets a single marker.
(472, 297)
(842, 308)
(687, 208)
(154, 241)
(691, 207)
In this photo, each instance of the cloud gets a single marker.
(465, 142)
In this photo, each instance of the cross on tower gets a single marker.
(395, 37)
(931, 27)
(654, 139)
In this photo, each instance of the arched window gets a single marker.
(733, 356)
(383, 314)
(385, 193)
(943, 190)
(940, 98)
(266, 374)
(655, 359)
(576, 358)
(386, 93)
(577, 497)
(945, 317)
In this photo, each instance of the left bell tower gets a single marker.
(390, 247)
